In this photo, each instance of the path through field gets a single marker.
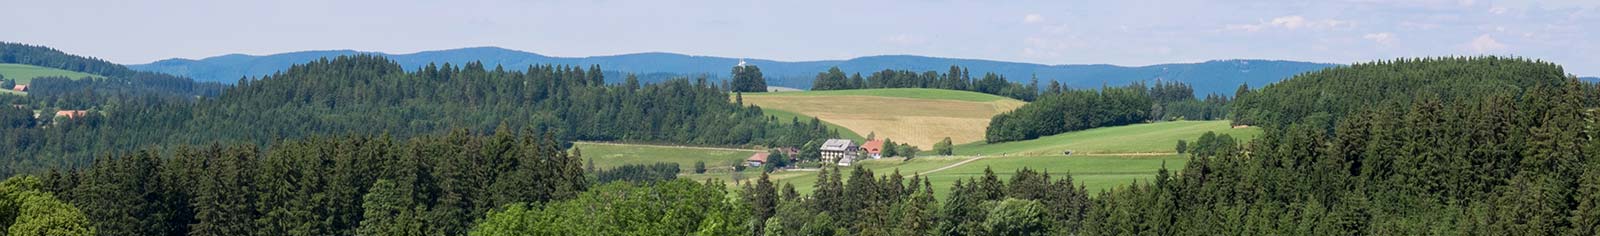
(953, 165)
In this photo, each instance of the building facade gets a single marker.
(838, 150)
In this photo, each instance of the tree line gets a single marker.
(958, 78)
(371, 95)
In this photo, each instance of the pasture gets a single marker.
(609, 155)
(1143, 139)
(24, 74)
(920, 117)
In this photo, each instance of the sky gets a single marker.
(1125, 32)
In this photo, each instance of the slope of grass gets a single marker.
(607, 155)
(1096, 173)
(1159, 137)
(917, 93)
(24, 74)
(917, 116)
(804, 181)
(783, 115)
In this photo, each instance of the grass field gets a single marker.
(24, 74)
(783, 115)
(917, 93)
(1150, 138)
(917, 116)
(606, 155)
(1096, 173)
(1105, 158)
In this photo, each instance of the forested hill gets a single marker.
(371, 95)
(1340, 91)
(1437, 146)
(1220, 76)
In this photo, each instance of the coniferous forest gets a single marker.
(358, 145)
(368, 95)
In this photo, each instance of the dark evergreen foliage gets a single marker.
(639, 173)
(322, 186)
(369, 95)
(957, 79)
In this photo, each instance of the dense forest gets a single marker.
(369, 95)
(1454, 146)
(958, 78)
(1059, 110)
(355, 185)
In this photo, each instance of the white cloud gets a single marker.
(1498, 10)
(1294, 22)
(1484, 43)
(1291, 22)
(1384, 38)
(1032, 18)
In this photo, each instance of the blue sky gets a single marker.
(1129, 32)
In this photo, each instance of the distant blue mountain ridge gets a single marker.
(1217, 76)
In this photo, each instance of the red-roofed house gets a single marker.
(756, 159)
(874, 148)
(20, 88)
(72, 114)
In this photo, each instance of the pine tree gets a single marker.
(391, 210)
(763, 202)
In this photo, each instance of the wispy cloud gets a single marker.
(1032, 18)
(1484, 44)
(1384, 38)
(1294, 22)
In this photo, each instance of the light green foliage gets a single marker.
(42, 214)
(26, 210)
(1016, 217)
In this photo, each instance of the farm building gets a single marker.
(838, 151)
(873, 148)
(20, 88)
(756, 159)
(72, 114)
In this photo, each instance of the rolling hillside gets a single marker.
(25, 73)
(1106, 158)
(917, 116)
(1146, 139)
(1217, 76)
